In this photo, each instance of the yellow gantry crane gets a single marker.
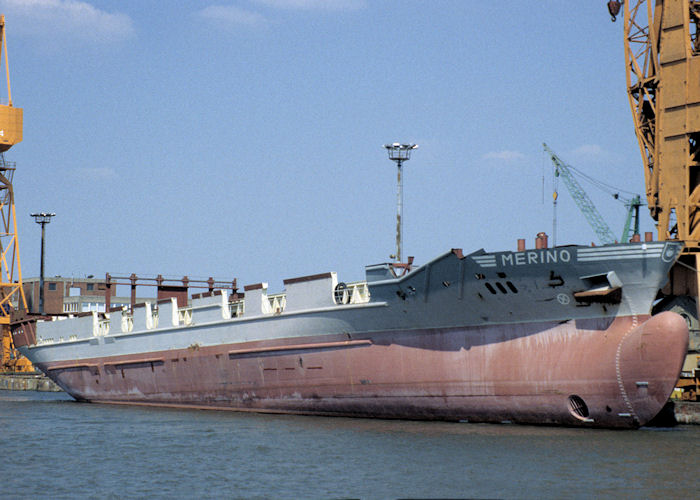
(662, 54)
(11, 291)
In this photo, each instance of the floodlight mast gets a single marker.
(42, 218)
(399, 153)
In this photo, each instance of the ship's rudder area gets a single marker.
(65, 376)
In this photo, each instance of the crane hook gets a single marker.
(614, 9)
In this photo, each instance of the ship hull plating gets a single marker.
(604, 372)
(548, 336)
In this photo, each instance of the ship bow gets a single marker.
(648, 362)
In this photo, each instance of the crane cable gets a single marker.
(603, 186)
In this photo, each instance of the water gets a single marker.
(53, 447)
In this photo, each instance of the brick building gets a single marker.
(72, 295)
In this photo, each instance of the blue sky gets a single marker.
(244, 138)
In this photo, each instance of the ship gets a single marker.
(559, 335)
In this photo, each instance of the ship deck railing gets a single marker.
(102, 327)
(354, 293)
(184, 315)
(237, 308)
(155, 316)
(351, 293)
(127, 320)
(278, 302)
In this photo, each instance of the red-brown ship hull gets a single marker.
(605, 372)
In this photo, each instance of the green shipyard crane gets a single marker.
(584, 203)
(632, 206)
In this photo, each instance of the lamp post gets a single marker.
(42, 218)
(399, 153)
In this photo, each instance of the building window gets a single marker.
(92, 306)
(52, 287)
(90, 287)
